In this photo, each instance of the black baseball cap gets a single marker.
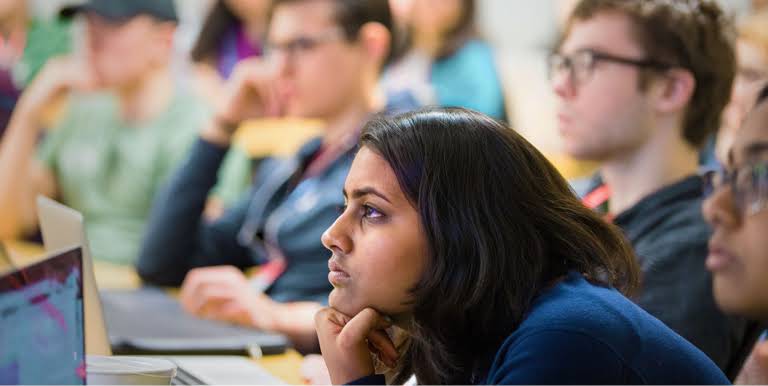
(124, 9)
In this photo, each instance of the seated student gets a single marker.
(28, 42)
(124, 129)
(323, 61)
(737, 209)
(640, 86)
(458, 231)
(445, 62)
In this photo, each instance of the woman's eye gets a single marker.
(371, 212)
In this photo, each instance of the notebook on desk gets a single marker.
(148, 321)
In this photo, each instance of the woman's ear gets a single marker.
(677, 88)
(376, 40)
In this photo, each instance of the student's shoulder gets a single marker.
(678, 230)
(578, 306)
(86, 112)
(579, 332)
(476, 46)
(472, 51)
(558, 353)
(183, 119)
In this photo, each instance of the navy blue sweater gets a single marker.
(580, 333)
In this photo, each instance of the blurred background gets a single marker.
(521, 32)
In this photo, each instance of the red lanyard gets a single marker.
(599, 198)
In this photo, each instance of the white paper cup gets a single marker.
(124, 370)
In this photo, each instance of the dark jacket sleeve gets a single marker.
(177, 238)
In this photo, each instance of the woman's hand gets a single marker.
(347, 343)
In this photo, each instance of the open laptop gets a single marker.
(41, 322)
(138, 316)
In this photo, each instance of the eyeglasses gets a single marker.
(303, 44)
(581, 64)
(749, 186)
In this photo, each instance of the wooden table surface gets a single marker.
(112, 276)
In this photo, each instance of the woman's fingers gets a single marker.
(382, 341)
(356, 331)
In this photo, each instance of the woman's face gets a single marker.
(738, 256)
(378, 244)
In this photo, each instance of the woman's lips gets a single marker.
(337, 276)
(719, 259)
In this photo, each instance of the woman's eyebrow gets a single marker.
(365, 191)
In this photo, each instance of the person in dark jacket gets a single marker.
(641, 85)
(323, 60)
(490, 278)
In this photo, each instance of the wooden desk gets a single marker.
(112, 276)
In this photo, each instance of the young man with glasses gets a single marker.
(323, 60)
(640, 86)
(737, 209)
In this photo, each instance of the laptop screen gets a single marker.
(41, 323)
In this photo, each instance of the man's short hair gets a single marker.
(351, 15)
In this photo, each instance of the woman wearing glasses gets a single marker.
(488, 266)
(737, 209)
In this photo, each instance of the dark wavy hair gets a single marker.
(501, 223)
(220, 19)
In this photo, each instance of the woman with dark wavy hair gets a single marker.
(460, 235)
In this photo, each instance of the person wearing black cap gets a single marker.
(117, 10)
(124, 127)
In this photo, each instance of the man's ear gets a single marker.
(376, 40)
(676, 90)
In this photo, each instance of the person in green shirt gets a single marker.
(125, 127)
(26, 43)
